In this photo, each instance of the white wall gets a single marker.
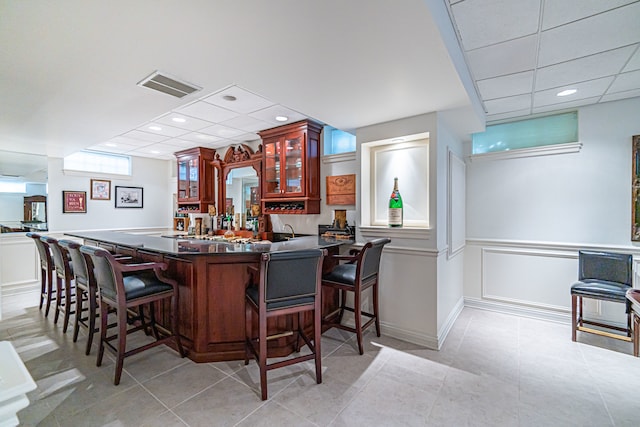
(154, 176)
(528, 217)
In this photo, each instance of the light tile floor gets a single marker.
(494, 370)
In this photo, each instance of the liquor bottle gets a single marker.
(395, 206)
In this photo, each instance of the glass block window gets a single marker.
(337, 141)
(541, 131)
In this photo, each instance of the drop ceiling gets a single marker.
(522, 53)
(70, 70)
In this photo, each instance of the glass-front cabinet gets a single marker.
(196, 179)
(291, 168)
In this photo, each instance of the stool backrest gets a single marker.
(102, 270)
(80, 269)
(60, 258)
(369, 263)
(291, 274)
(607, 266)
(43, 250)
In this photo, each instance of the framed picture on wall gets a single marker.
(100, 189)
(128, 197)
(74, 202)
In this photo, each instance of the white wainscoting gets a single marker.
(533, 279)
(19, 272)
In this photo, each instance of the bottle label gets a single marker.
(395, 216)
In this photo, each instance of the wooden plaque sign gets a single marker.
(341, 190)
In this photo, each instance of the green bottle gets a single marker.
(395, 206)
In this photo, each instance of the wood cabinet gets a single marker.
(196, 180)
(291, 169)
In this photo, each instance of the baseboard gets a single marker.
(424, 340)
(448, 324)
(517, 310)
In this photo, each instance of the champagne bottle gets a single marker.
(395, 206)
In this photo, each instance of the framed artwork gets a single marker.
(128, 197)
(100, 189)
(74, 202)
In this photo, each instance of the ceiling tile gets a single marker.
(625, 82)
(558, 12)
(109, 147)
(189, 123)
(160, 129)
(123, 140)
(246, 137)
(510, 57)
(199, 137)
(222, 131)
(620, 95)
(591, 35)
(154, 150)
(508, 115)
(205, 111)
(634, 62)
(145, 136)
(269, 114)
(500, 87)
(486, 22)
(246, 102)
(585, 90)
(565, 105)
(247, 124)
(583, 69)
(503, 105)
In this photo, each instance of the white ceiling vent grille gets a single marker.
(169, 85)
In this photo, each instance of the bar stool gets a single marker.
(289, 284)
(47, 290)
(86, 291)
(65, 281)
(358, 274)
(127, 286)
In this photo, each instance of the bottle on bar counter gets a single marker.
(395, 206)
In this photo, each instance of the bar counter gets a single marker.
(212, 277)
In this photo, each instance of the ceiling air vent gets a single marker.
(169, 85)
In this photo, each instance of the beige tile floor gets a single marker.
(494, 370)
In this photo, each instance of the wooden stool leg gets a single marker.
(49, 292)
(122, 343)
(358, 320)
(92, 319)
(104, 313)
(574, 303)
(76, 322)
(636, 334)
(58, 299)
(262, 357)
(67, 305)
(43, 286)
(317, 332)
(375, 307)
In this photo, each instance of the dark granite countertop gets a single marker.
(189, 245)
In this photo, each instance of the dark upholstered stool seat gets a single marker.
(140, 285)
(253, 294)
(344, 274)
(601, 289)
(603, 276)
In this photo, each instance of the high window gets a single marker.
(97, 162)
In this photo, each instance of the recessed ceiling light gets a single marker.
(567, 92)
(282, 118)
(229, 98)
(156, 128)
(154, 152)
(179, 119)
(111, 144)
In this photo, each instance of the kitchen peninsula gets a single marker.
(212, 276)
